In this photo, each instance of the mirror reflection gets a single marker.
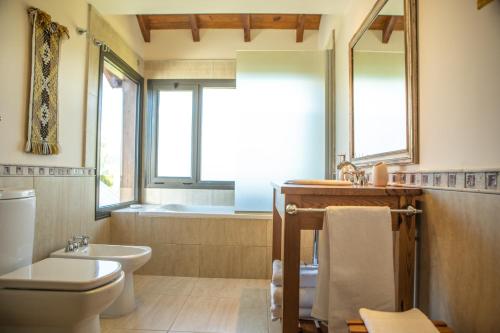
(379, 85)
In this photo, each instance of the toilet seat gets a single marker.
(58, 274)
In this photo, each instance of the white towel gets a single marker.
(308, 275)
(411, 321)
(306, 296)
(356, 266)
(277, 312)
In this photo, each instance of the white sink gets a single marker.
(328, 182)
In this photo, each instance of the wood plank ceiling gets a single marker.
(245, 22)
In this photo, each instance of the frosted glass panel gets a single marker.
(218, 133)
(175, 121)
(281, 122)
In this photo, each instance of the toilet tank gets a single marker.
(17, 228)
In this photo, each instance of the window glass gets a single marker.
(117, 146)
(218, 144)
(175, 126)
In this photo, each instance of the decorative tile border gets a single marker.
(43, 171)
(471, 181)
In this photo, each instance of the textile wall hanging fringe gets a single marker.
(43, 104)
(482, 3)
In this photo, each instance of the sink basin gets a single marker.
(328, 182)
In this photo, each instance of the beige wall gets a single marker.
(459, 118)
(15, 34)
(64, 207)
(222, 43)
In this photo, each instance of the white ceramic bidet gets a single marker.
(130, 258)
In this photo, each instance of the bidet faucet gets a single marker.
(82, 240)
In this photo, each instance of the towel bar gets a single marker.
(292, 209)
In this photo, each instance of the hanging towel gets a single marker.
(308, 275)
(356, 265)
(306, 296)
(411, 321)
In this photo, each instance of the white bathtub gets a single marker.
(194, 211)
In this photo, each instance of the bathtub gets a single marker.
(193, 211)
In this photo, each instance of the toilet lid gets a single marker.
(62, 274)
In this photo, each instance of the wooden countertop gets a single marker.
(367, 190)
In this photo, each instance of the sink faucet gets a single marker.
(351, 173)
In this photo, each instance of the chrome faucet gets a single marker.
(76, 242)
(351, 173)
(82, 240)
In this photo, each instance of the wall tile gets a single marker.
(253, 262)
(123, 228)
(65, 207)
(220, 261)
(17, 182)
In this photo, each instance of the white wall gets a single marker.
(222, 43)
(346, 28)
(459, 84)
(459, 52)
(15, 34)
(127, 27)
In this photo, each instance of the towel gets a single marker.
(277, 312)
(308, 275)
(356, 265)
(306, 296)
(411, 321)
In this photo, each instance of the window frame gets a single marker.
(107, 54)
(152, 180)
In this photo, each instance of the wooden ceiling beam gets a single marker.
(300, 28)
(144, 26)
(245, 22)
(195, 31)
(388, 29)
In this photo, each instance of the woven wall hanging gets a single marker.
(43, 104)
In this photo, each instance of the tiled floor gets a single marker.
(184, 304)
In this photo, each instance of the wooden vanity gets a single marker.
(287, 228)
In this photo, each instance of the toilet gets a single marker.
(53, 295)
(131, 258)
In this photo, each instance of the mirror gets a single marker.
(384, 86)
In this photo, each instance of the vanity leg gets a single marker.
(406, 258)
(291, 266)
(276, 230)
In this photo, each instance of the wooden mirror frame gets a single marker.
(410, 154)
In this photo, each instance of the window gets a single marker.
(119, 119)
(191, 134)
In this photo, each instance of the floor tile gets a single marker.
(154, 312)
(122, 330)
(208, 314)
(168, 285)
(196, 305)
(226, 287)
